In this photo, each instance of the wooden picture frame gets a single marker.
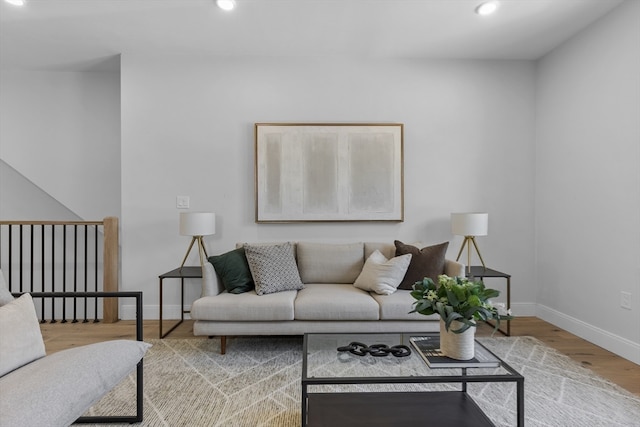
(329, 172)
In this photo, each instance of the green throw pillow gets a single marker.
(233, 269)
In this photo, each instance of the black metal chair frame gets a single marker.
(139, 374)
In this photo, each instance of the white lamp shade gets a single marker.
(470, 224)
(197, 223)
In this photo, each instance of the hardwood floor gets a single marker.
(626, 374)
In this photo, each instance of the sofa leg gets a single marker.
(223, 344)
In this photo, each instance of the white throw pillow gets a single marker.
(5, 295)
(382, 275)
(20, 337)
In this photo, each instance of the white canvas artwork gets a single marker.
(329, 172)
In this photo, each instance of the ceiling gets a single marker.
(84, 34)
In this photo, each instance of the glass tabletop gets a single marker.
(323, 363)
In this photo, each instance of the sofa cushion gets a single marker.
(330, 301)
(233, 269)
(382, 275)
(20, 338)
(330, 263)
(425, 262)
(57, 389)
(398, 305)
(386, 249)
(247, 306)
(241, 244)
(273, 267)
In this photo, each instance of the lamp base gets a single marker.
(201, 250)
(468, 240)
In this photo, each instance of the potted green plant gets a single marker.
(460, 303)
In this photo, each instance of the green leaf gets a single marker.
(417, 294)
(474, 301)
(490, 293)
(453, 299)
(440, 309)
(460, 292)
(422, 305)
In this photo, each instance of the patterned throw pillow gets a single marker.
(273, 268)
(425, 262)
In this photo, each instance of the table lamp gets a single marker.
(197, 224)
(470, 225)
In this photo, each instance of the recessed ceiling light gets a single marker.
(226, 4)
(15, 2)
(487, 8)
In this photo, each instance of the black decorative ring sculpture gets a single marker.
(376, 350)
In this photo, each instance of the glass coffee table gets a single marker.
(340, 388)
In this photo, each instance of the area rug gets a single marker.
(187, 382)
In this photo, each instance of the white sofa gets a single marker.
(327, 301)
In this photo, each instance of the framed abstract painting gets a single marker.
(328, 172)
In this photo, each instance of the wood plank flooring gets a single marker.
(626, 374)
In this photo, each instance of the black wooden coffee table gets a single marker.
(343, 389)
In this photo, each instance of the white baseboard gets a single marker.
(523, 309)
(614, 343)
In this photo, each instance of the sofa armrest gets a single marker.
(211, 283)
(453, 268)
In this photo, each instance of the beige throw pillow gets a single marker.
(5, 295)
(20, 338)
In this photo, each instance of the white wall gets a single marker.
(588, 182)
(20, 199)
(61, 130)
(187, 129)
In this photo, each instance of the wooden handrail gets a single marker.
(110, 256)
(38, 222)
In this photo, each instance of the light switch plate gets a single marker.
(625, 300)
(182, 202)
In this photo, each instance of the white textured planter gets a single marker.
(457, 346)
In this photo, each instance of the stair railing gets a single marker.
(63, 256)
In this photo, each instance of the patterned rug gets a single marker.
(257, 383)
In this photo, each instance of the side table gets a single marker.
(178, 273)
(479, 272)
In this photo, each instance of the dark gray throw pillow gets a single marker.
(233, 269)
(273, 268)
(425, 262)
